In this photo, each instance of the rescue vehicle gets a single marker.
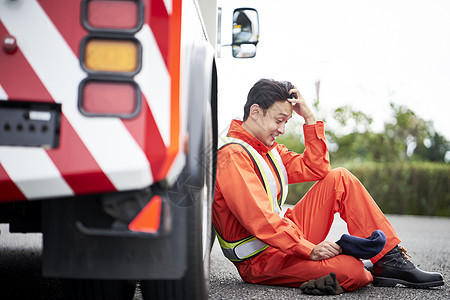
(108, 138)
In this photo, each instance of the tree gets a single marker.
(405, 137)
(433, 149)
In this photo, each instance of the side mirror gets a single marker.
(245, 32)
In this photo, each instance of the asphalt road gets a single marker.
(20, 268)
(426, 239)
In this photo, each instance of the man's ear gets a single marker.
(255, 111)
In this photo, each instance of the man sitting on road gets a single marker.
(253, 173)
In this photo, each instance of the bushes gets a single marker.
(418, 188)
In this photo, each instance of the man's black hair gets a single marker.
(265, 92)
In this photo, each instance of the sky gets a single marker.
(366, 54)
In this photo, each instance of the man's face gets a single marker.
(273, 123)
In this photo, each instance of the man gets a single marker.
(252, 176)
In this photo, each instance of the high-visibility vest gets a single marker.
(245, 248)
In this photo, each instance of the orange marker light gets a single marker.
(111, 55)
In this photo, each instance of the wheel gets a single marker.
(196, 279)
(85, 289)
(195, 282)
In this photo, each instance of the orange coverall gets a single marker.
(241, 208)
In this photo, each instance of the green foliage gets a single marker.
(292, 141)
(436, 150)
(417, 188)
(405, 138)
(297, 191)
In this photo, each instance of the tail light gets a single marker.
(107, 97)
(111, 56)
(112, 15)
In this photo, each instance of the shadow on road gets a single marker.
(20, 273)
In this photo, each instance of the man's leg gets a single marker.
(273, 267)
(341, 192)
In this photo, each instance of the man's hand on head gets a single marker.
(301, 108)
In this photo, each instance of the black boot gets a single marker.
(395, 267)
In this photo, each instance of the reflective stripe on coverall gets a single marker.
(250, 246)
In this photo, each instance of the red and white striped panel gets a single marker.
(95, 154)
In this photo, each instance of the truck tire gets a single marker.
(195, 282)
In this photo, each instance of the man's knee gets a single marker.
(340, 175)
(339, 172)
(350, 272)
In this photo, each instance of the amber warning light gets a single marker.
(112, 55)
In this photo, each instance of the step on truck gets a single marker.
(108, 137)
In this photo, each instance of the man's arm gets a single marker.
(246, 198)
(314, 163)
